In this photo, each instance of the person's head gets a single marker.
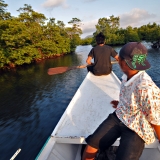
(132, 56)
(100, 38)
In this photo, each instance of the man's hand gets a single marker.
(114, 103)
(157, 130)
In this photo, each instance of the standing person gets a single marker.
(137, 113)
(101, 55)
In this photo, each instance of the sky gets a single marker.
(133, 13)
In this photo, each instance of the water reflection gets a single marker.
(31, 102)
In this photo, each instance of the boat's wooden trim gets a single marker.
(46, 149)
(70, 140)
(50, 151)
(81, 140)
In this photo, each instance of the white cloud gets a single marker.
(90, 0)
(88, 28)
(136, 18)
(54, 3)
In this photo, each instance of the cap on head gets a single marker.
(135, 55)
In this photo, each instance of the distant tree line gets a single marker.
(119, 36)
(30, 37)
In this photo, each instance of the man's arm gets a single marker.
(157, 130)
(89, 60)
(116, 57)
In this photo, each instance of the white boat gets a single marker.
(87, 109)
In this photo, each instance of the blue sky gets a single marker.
(133, 13)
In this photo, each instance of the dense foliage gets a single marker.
(118, 36)
(31, 36)
(86, 41)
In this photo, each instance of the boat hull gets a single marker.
(87, 109)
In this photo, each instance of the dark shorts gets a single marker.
(131, 145)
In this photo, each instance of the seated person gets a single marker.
(136, 115)
(101, 55)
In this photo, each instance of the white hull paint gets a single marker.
(87, 109)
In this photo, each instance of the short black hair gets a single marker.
(100, 38)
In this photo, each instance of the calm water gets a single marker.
(31, 102)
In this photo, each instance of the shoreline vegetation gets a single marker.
(31, 37)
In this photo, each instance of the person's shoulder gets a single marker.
(95, 47)
(108, 47)
(146, 83)
(92, 48)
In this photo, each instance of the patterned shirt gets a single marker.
(139, 105)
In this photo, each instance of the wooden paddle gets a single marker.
(58, 70)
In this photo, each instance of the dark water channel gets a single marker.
(31, 102)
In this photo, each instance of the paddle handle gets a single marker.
(85, 65)
(114, 62)
(14, 156)
(58, 70)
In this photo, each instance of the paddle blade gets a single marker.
(58, 70)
